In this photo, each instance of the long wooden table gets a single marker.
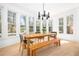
(33, 36)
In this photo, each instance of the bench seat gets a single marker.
(34, 47)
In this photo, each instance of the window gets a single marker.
(31, 24)
(22, 24)
(38, 26)
(70, 24)
(11, 22)
(60, 25)
(44, 26)
(0, 21)
(50, 25)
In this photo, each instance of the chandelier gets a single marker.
(44, 15)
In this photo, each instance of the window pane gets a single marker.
(38, 26)
(60, 29)
(11, 22)
(22, 24)
(60, 25)
(31, 24)
(70, 24)
(44, 26)
(50, 25)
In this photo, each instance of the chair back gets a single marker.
(54, 34)
(23, 39)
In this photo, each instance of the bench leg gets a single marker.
(32, 52)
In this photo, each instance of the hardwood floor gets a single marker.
(67, 48)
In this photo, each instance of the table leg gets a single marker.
(28, 48)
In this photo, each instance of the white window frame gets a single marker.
(11, 34)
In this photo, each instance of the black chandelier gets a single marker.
(44, 15)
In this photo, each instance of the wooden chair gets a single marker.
(55, 40)
(23, 43)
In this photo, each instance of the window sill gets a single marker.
(11, 34)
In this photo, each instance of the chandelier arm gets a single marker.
(44, 13)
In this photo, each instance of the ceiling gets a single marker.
(53, 8)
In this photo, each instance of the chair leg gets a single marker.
(59, 43)
(20, 47)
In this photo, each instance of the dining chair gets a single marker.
(55, 40)
(23, 43)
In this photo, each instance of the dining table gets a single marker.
(29, 37)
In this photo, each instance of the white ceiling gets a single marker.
(53, 8)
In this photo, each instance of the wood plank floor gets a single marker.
(67, 48)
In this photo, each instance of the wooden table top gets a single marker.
(31, 36)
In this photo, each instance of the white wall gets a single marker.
(6, 40)
(65, 36)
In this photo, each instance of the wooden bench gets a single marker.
(35, 47)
